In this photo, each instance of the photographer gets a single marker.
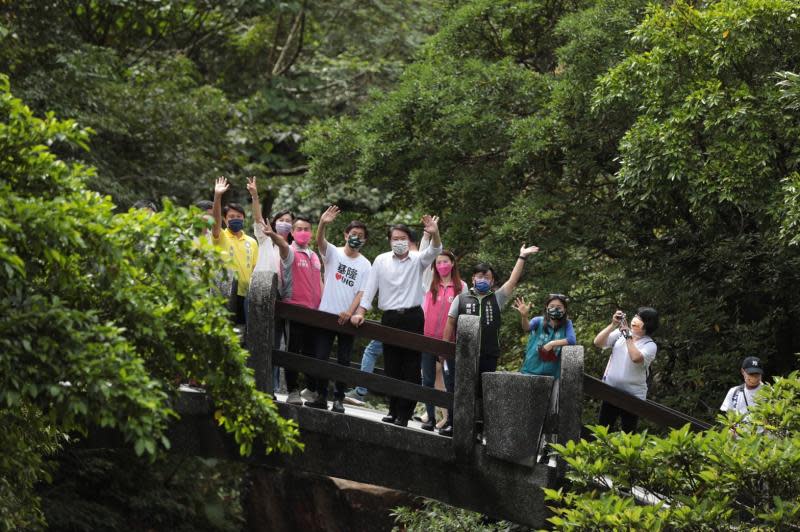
(632, 352)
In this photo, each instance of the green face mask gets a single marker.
(354, 242)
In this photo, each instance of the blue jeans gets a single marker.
(429, 380)
(371, 353)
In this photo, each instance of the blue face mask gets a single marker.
(482, 285)
(236, 225)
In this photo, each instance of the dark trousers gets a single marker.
(301, 340)
(344, 351)
(401, 363)
(485, 364)
(240, 314)
(609, 414)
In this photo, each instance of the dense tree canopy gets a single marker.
(650, 151)
(103, 315)
(181, 92)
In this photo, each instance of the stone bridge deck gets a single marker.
(496, 472)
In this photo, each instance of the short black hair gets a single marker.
(400, 227)
(301, 218)
(483, 267)
(357, 224)
(233, 206)
(204, 204)
(145, 204)
(649, 318)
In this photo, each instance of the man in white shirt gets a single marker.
(396, 276)
(346, 273)
(632, 352)
(741, 398)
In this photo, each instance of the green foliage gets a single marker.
(103, 313)
(116, 490)
(437, 517)
(26, 439)
(181, 92)
(495, 30)
(711, 480)
(650, 152)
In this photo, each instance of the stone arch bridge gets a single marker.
(496, 473)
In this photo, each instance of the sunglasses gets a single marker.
(562, 297)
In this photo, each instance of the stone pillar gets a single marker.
(468, 344)
(570, 398)
(261, 326)
(515, 406)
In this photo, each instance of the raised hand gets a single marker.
(251, 186)
(330, 215)
(265, 228)
(221, 186)
(524, 252)
(431, 223)
(522, 307)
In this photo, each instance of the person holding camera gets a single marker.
(632, 352)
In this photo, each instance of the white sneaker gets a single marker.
(352, 398)
(294, 398)
(308, 395)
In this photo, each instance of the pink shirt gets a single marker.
(303, 278)
(436, 311)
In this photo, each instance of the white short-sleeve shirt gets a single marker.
(740, 398)
(624, 373)
(345, 277)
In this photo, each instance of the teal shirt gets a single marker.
(540, 335)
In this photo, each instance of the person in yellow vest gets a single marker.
(241, 250)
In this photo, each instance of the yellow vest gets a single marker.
(241, 255)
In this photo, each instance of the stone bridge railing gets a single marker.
(497, 475)
(495, 472)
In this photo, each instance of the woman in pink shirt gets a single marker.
(445, 286)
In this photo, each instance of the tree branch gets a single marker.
(297, 28)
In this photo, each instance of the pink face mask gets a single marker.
(302, 237)
(444, 268)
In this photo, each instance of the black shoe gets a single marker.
(338, 407)
(388, 419)
(401, 422)
(447, 430)
(320, 403)
(427, 426)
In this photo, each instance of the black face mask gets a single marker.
(354, 242)
(555, 313)
(236, 225)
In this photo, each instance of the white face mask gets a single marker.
(400, 247)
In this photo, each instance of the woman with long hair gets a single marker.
(446, 284)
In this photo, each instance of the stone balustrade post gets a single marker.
(468, 343)
(261, 326)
